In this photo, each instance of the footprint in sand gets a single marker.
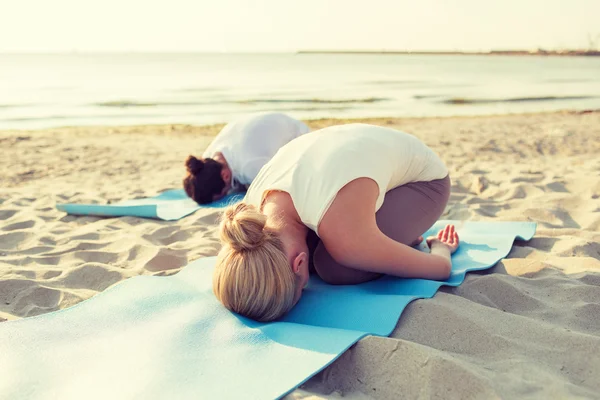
(15, 240)
(167, 259)
(19, 226)
(26, 298)
(91, 276)
(6, 214)
(167, 235)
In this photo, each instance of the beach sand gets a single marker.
(527, 328)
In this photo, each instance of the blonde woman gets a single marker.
(367, 192)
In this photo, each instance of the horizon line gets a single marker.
(309, 51)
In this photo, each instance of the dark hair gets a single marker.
(203, 180)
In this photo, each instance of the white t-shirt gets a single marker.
(312, 169)
(250, 142)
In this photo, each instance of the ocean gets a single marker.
(52, 90)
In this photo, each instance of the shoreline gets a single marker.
(213, 128)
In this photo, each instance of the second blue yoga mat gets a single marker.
(169, 206)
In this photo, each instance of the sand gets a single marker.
(527, 328)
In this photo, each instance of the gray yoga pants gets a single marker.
(407, 212)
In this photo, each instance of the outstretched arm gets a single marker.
(350, 234)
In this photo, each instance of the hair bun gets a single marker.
(243, 227)
(194, 165)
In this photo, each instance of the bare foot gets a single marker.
(417, 241)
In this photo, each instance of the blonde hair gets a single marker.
(253, 276)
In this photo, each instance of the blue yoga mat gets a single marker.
(169, 206)
(169, 338)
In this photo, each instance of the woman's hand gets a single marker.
(446, 237)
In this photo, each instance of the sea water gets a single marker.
(41, 91)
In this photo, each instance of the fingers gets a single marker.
(442, 233)
(448, 234)
(453, 240)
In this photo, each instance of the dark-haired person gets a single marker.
(239, 151)
(368, 192)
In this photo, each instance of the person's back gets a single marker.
(236, 155)
(315, 167)
(250, 142)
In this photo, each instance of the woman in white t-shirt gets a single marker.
(236, 155)
(348, 201)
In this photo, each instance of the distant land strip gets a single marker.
(538, 52)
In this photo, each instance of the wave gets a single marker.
(426, 96)
(130, 104)
(394, 82)
(124, 104)
(307, 109)
(133, 104)
(79, 117)
(197, 90)
(25, 119)
(314, 101)
(464, 100)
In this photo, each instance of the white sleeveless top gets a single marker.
(313, 168)
(250, 142)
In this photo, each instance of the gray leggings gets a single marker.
(407, 212)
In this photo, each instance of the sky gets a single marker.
(291, 25)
